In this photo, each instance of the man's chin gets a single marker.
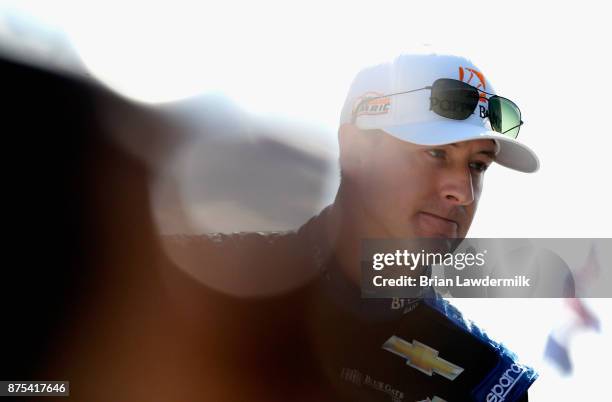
(432, 234)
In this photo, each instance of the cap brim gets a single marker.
(512, 154)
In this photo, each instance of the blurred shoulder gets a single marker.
(249, 263)
(251, 247)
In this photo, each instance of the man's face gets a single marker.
(409, 190)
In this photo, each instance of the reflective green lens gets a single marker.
(505, 116)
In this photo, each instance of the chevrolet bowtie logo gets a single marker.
(422, 357)
(435, 399)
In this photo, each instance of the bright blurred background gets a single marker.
(273, 75)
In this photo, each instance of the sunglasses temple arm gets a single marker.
(405, 92)
(512, 128)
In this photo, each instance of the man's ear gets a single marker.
(352, 143)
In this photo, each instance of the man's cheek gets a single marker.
(403, 206)
(378, 188)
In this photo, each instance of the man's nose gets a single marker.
(458, 186)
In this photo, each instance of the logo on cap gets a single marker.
(372, 103)
(474, 78)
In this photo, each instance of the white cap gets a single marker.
(408, 116)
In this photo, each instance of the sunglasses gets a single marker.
(457, 100)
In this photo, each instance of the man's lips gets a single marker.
(437, 225)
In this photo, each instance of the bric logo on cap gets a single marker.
(467, 75)
(372, 103)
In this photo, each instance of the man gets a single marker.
(416, 137)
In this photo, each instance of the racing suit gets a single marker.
(322, 341)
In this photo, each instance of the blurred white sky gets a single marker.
(524, 324)
(296, 60)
